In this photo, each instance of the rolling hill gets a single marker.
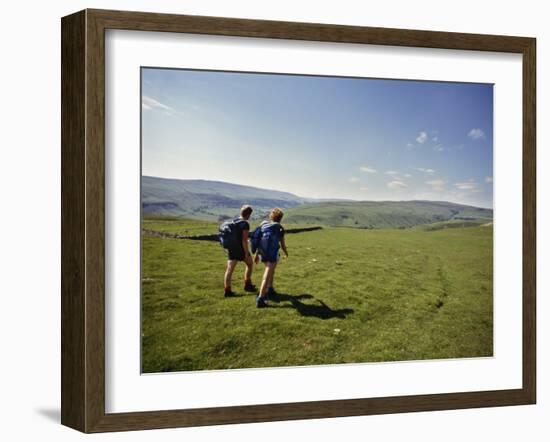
(383, 214)
(209, 200)
(215, 200)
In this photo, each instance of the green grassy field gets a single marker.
(347, 295)
(383, 214)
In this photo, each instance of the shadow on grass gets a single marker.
(235, 295)
(318, 310)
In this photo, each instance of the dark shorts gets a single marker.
(236, 254)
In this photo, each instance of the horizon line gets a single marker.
(314, 198)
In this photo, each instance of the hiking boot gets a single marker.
(228, 294)
(260, 302)
(272, 295)
(250, 288)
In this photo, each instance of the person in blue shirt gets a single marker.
(273, 239)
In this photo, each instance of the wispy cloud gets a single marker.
(396, 185)
(149, 103)
(407, 175)
(476, 134)
(436, 184)
(353, 179)
(466, 185)
(421, 169)
(488, 179)
(439, 148)
(367, 169)
(392, 172)
(422, 137)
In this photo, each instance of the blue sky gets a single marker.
(321, 137)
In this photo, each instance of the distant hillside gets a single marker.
(383, 214)
(215, 200)
(210, 200)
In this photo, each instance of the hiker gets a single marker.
(234, 237)
(271, 238)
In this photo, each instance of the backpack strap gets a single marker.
(241, 221)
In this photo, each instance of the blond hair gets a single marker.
(276, 215)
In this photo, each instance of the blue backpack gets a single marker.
(228, 234)
(254, 238)
(266, 240)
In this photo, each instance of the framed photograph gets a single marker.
(268, 221)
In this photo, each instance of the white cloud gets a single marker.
(489, 179)
(466, 185)
(436, 184)
(150, 103)
(410, 145)
(353, 179)
(439, 148)
(407, 175)
(367, 169)
(392, 172)
(476, 134)
(422, 137)
(396, 185)
(421, 169)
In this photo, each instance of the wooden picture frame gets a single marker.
(83, 220)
